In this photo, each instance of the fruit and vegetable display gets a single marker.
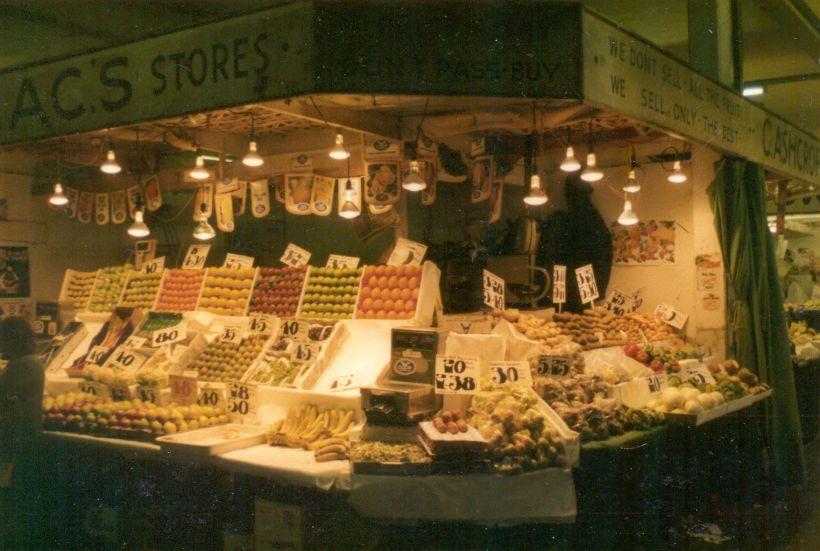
(222, 361)
(548, 333)
(81, 412)
(384, 452)
(141, 290)
(658, 359)
(519, 435)
(109, 376)
(326, 433)
(155, 321)
(389, 292)
(330, 293)
(155, 371)
(179, 291)
(226, 291)
(78, 288)
(450, 422)
(686, 399)
(801, 333)
(275, 371)
(108, 288)
(277, 291)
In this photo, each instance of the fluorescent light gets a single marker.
(753, 90)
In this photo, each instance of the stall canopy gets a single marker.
(512, 50)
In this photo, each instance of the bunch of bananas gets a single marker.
(327, 433)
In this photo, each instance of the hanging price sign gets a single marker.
(262, 324)
(148, 393)
(127, 359)
(587, 287)
(237, 261)
(294, 328)
(242, 400)
(493, 290)
(667, 314)
(511, 372)
(559, 284)
(343, 382)
(210, 395)
(234, 331)
(456, 375)
(553, 366)
(295, 256)
(337, 261)
(95, 389)
(305, 352)
(134, 342)
(183, 387)
(97, 355)
(406, 252)
(169, 335)
(195, 257)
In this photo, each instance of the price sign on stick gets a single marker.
(559, 285)
(667, 314)
(406, 252)
(343, 382)
(511, 372)
(242, 400)
(169, 335)
(234, 331)
(195, 257)
(154, 266)
(456, 375)
(337, 261)
(237, 261)
(295, 256)
(587, 287)
(183, 387)
(262, 324)
(493, 291)
(620, 303)
(97, 355)
(95, 389)
(210, 395)
(553, 366)
(294, 328)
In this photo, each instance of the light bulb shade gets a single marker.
(204, 231)
(628, 216)
(632, 185)
(339, 152)
(536, 197)
(591, 173)
(252, 157)
(570, 163)
(111, 166)
(139, 228)
(678, 176)
(412, 179)
(199, 172)
(58, 198)
(349, 210)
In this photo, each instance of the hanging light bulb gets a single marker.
(591, 173)
(536, 196)
(252, 157)
(204, 231)
(339, 152)
(199, 172)
(678, 176)
(139, 228)
(628, 216)
(58, 198)
(412, 180)
(632, 185)
(110, 166)
(349, 209)
(570, 163)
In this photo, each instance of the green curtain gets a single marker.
(757, 332)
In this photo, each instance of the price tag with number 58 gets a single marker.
(456, 374)
(242, 400)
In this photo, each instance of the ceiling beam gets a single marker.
(366, 122)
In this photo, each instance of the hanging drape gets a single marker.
(757, 332)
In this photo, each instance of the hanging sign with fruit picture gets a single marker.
(102, 209)
(134, 200)
(73, 198)
(407, 253)
(238, 198)
(278, 183)
(587, 287)
(227, 185)
(85, 207)
(381, 186)
(153, 195)
(430, 172)
(260, 198)
(456, 375)
(483, 175)
(119, 207)
(195, 257)
(295, 255)
(321, 199)
(204, 201)
(298, 193)
(224, 212)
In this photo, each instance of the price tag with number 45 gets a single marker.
(456, 375)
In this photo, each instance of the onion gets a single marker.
(672, 398)
(689, 393)
(707, 401)
(692, 407)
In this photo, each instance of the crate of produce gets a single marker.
(179, 290)
(108, 288)
(400, 293)
(272, 369)
(223, 361)
(226, 292)
(140, 290)
(277, 291)
(330, 293)
(390, 459)
(76, 288)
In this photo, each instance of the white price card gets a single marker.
(294, 328)
(134, 342)
(183, 387)
(234, 331)
(242, 400)
(237, 261)
(195, 257)
(456, 374)
(148, 393)
(620, 303)
(343, 382)
(587, 287)
(406, 252)
(154, 266)
(511, 372)
(295, 256)
(212, 395)
(120, 393)
(169, 335)
(667, 314)
(127, 359)
(97, 355)
(95, 389)
(262, 324)
(696, 374)
(305, 352)
(553, 366)
(337, 261)
(656, 383)
(493, 290)
(559, 284)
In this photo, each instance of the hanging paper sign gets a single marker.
(134, 342)
(224, 212)
(587, 287)
(493, 290)
(381, 184)
(619, 303)
(195, 257)
(337, 261)
(169, 335)
(426, 148)
(375, 209)
(354, 194)
(344, 382)
(559, 284)
(321, 200)
(102, 208)
(134, 199)
(295, 256)
(298, 193)
(430, 173)
(227, 185)
(301, 163)
(456, 374)
(305, 352)
(478, 147)
(278, 183)
(406, 252)
(262, 324)
(238, 261)
(553, 366)
(496, 196)
(204, 201)
(242, 400)
(234, 331)
(260, 198)
(382, 150)
(148, 393)
(511, 373)
(667, 314)
(119, 207)
(183, 387)
(95, 389)
(483, 175)
(73, 197)
(154, 266)
(85, 207)
(238, 197)
(213, 396)
(294, 328)
(127, 359)
(153, 195)
(144, 251)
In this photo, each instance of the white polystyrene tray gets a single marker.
(214, 440)
(714, 413)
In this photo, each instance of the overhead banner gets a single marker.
(636, 78)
